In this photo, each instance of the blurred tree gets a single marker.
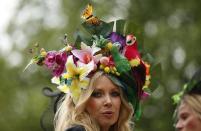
(170, 31)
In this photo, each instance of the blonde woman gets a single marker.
(101, 107)
(104, 79)
(189, 107)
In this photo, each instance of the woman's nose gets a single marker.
(108, 101)
(178, 125)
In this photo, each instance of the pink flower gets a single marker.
(145, 95)
(50, 59)
(107, 61)
(56, 62)
(87, 54)
(104, 60)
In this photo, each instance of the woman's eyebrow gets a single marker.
(183, 113)
(97, 89)
(115, 89)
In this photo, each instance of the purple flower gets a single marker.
(114, 37)
(56, 62)
(50, 59)
(60, 63)
(61, 58)
(58, 70)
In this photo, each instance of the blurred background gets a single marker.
(170, 31)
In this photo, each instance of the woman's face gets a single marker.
(187, 119)
(104, 103)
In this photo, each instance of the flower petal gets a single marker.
(85, 70)
(95, 49)
(79, 54)
(75, 90)
(86, 48)
(97, 58)
(63, 88)
(84, 83)
(55, 80)
(70, 66)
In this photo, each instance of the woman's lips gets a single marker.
(107, 114)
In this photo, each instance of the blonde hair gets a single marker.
(69, 114)
(194, 102)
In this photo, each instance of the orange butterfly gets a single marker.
(88, 16)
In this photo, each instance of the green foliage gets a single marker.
(120, 24)
(100, 41)
(102, 29)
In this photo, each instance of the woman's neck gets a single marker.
(106, 128)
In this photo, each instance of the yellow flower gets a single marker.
(101, 66)
(135, 62)
(79, 72)
(78, 75)
(43, 52)
(68, 48)
(114, 69)
(117, 73)
(109, 45)
(107, 69)
(75, 79)
(75, 88)
(62, 86)
(66, 76)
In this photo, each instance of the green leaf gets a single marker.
(82, 36)
(156, 75)
(106, 29)
(120, 24)
(138, 111)
(100, 41)
(177, 97)
(148, 57)
(103, 28)
(77, 42)
(148, 90)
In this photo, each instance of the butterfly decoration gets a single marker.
(89, 17)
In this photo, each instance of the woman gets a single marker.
(189, 110)
(104, 79)
(101, 107)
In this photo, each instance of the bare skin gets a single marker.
(188, 120)
(104, 103)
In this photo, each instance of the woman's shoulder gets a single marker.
(76, 128)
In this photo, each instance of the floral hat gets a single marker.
(192, 87)
(99, 47)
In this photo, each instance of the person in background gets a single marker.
(188, 111)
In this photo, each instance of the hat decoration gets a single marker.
(192, 87)
(99, 47)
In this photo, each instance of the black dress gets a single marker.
(76, 128)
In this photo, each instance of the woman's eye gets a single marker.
(184, 117)
(115, 94)
(96, 94)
